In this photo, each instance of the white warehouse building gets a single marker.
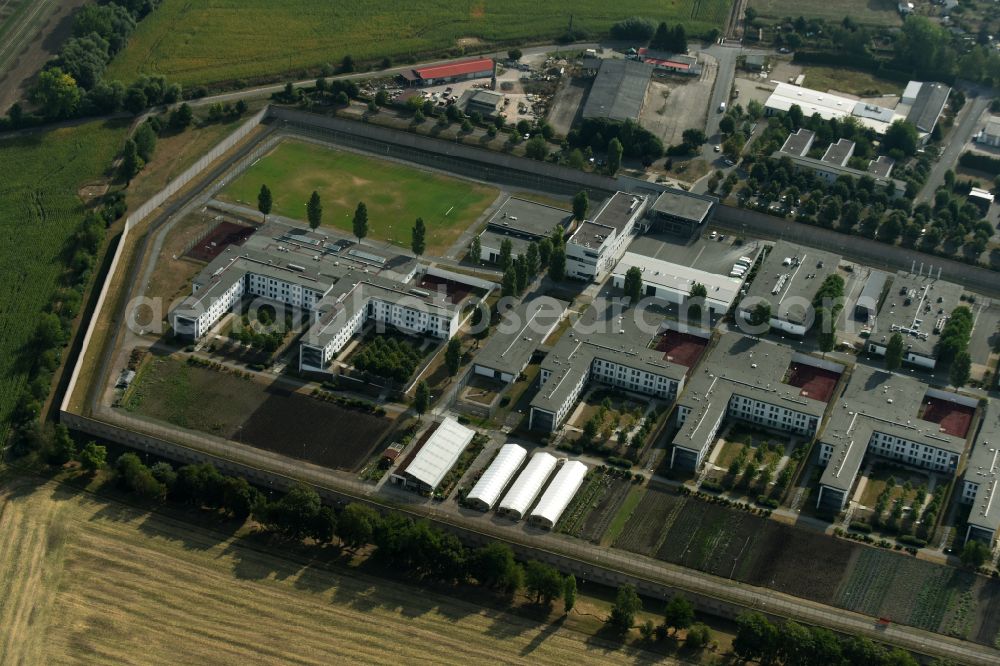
(491, 484)
(529, 483)
(426, 467)
(559, 494)
(672, 282)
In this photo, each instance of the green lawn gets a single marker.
(39, 210)
(869, 12)
(395, 194)
(223, 40)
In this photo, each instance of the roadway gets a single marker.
(954, 144)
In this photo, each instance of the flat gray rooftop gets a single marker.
(918, 307)
(528, 217)
(619, 90)
(739, 365)
(838, 153)
(600, 333)
(798, 142)
(520, 332)
(790, 287)
(984, 469)
(881, 167)
(682, 205)
(877, 401)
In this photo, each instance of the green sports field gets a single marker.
(395, 194)
(39, 211)
(222, 40)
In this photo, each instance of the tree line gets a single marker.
(415, 548)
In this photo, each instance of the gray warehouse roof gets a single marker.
(872, 291)
(528, 217)
(797, 280)
(619, 90)
(928, 107)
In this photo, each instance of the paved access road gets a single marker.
(968, 119)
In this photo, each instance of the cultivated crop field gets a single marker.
(752, 549)
(89, 580)
(267, 417)
(206, 42)
(39, 211)
(870, 12)
(650, 522)
(395, 194)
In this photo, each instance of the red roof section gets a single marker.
(455, 69)
(663, 62)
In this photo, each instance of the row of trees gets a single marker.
(413, 547)
(43, 353)
(758, 639)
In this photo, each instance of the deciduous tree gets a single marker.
(453, 356)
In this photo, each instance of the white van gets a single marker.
(722, 108)
(746, 261)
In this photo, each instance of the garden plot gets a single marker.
(650, 522)
(604, 510)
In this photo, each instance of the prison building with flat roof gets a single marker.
(830, 171)
(745, 378)
(521, 222)
(596, 246)
(894, 417)
(615, 353)
(981, 481)
(839, 153)
(787, 280)
(519, 334)
(917, 307)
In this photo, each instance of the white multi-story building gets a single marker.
(887, 415)
(598, 244)
(754, 381)
(620, 358)
(341, 288)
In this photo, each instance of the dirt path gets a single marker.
(102, 582)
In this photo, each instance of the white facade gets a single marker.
(529, 483)
(559, 494)
(638, 380)
(588, 263)
(218, 306)
(487, 490)
(904, 450)
(673, 282)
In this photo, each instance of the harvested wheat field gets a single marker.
(87, 579)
